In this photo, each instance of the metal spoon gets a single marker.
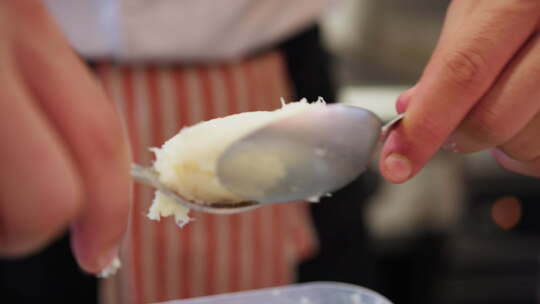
(320, 150)
(150, 177)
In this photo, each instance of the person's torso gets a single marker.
(214, 253)
(180, 30)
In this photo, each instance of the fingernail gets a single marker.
(398, 167)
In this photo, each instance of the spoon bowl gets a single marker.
(303, 156)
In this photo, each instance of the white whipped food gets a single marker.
(187, 163)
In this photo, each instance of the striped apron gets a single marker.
(215, 253)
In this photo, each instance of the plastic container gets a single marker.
(308, 293)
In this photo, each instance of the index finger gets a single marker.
(90, 127)
(465, 64)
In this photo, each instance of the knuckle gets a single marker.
(429, 131)
(32, 12)
(465, 69)
(105, 142)
(31, 24)
(516, 9)
(527, 4)
(529, 168)
(521, 151)
(486, 128)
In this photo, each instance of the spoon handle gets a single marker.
(144, 175)
(385, 130)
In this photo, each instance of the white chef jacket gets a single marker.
(180, 30)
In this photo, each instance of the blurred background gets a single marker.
(464, 230)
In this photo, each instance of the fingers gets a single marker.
(462, 69)
(404, 99)
(525, 146)
(90, 128)
(40, 190)
(457, 14)
(530, 168)
(506, 109)
(455, 17)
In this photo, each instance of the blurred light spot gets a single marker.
(506, 212)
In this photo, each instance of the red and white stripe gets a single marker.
(215, 253)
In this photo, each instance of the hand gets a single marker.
(480, 90)
(64, 159)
